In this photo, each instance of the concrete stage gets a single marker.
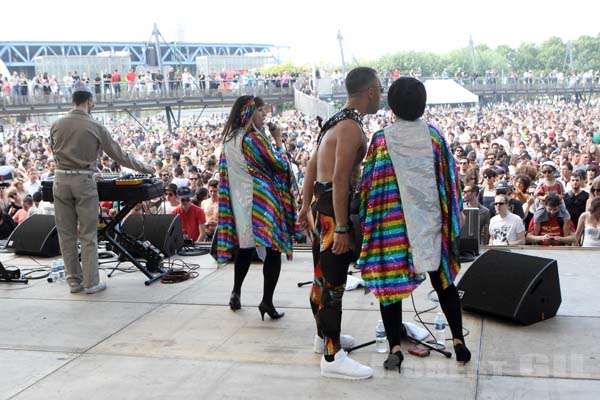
(181, 341)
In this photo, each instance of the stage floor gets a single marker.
(181, 341)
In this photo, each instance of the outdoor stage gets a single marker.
(181, 341)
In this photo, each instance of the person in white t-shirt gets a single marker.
(506, 228)
(179, 179)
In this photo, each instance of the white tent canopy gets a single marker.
(446, 91)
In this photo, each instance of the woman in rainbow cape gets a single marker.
(410, 215)
(256, 210)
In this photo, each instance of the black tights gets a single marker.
(449, 300)
(271, 270)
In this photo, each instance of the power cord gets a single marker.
(417, 316)
(179, 271)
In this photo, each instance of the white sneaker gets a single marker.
(346, 342)
(343, 367)
(95, 289)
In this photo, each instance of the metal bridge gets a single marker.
(197, 97)
(20, 55)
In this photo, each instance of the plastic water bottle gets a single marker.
(53, 275)
(381, 345)
(440, 329)
(60, 270)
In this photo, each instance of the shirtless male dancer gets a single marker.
(332, 176)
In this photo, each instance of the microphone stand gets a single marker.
(447, 354)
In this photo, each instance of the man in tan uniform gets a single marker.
(77, 141)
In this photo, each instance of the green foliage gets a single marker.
(552, 54)
(547, 56)
(586, 53)
(285, 67)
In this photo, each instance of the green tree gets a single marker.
(552, 53)
(586, 53)
(527, 57)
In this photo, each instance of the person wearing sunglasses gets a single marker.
(192, 217)
(506, 228)
(594, 191)
(171, 201)
(165, 176)
(588, 228)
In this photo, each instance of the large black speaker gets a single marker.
(35, 236)
(517, 287)
(162, 230)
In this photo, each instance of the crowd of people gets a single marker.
(140, 83)
(500, 149)
(150, 82)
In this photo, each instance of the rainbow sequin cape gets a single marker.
(273, 210)
(385, 258)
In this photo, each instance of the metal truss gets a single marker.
(22, 54)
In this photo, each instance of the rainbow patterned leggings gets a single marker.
(329, 283)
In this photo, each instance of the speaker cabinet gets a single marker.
(35, 236)
(521, 288)
(162, 230)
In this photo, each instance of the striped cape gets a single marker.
(273, 210)
(385, 258)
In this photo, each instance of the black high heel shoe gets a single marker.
(270, 310)
(394, 360)
(234, 301)
(462, 353)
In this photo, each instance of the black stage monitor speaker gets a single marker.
(469, 235)
(162, 230)
(35, 236)
(517, 287)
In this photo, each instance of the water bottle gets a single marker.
(440, 329)
(53, 275)
(381, 345)
(60, 270)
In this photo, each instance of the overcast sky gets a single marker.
(309, 27)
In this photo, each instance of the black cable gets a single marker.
(178, 276)
(194, 250)
(179, 271)
(44, 275)
(418, 316)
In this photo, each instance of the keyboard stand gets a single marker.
(111, 233)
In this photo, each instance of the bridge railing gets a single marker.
(32, 94)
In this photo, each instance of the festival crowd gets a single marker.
(514, 159)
